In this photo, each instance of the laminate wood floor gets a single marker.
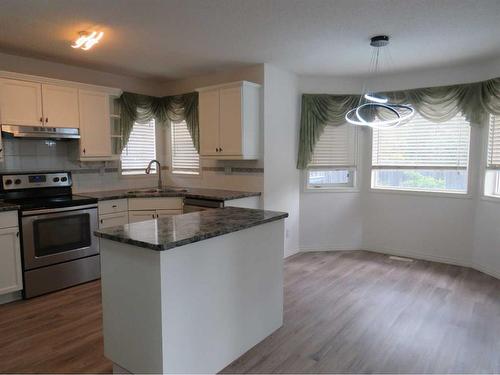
(356, 312)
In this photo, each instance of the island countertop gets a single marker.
(183, 192)
(174, 231)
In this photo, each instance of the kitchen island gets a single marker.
(191, 293)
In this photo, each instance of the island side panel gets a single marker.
(131, 292)
(220, 297)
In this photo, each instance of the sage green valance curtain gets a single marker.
(143, 108)
(473, 100)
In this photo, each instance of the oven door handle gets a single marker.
(56, 210)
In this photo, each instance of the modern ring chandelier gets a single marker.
(374, 110)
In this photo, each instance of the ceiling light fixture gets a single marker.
(374, 110)
(87, 40)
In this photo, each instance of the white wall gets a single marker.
(27, 65)
(253, 73)
(281, 178)
(427, 226)
(454, 230)
(486, 255)
(331, 221)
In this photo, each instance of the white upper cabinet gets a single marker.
(60, 106)
(230, 121)
(209, 117)
(95, 130)
(20, 103)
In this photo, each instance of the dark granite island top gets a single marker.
(174, 231)
(183, 192)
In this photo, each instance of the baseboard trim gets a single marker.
(415, 255)
(422, 256)
(289, 254)
(330, 248)
(487, 270)
(10, 297)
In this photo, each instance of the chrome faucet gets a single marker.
(148, 171)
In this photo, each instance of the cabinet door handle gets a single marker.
(220, 149)
(102, 221)
(153, 216)
(84, 151)
(41, 120)
(114, 206)
(17, 234)
(217, 149)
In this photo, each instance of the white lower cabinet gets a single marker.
(167, 213)
(142, 209)
(11, 279)
(113, 220)
(113, 213)
(143, 215)
(122, 211)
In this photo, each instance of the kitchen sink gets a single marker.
(153, 191)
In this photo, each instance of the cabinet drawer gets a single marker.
(113, 220)
(155, 204)
(9, 219)
(112, 206)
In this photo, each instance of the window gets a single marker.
(333, 165)
(140, 149)
(185, 158)
(492, 181)
(422, 156)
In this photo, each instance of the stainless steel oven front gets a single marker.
(56, 235)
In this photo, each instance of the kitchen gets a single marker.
(205, 186)
(52, 224)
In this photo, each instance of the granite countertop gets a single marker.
(174, 231)
(194, 193)
(8, 206)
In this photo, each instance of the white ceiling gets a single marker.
(169, 39)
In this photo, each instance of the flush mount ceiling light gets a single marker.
(87, 40)
(373, 109)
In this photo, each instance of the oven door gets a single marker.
(52, 236)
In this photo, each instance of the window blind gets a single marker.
(140, 149)
(494, 143)
(335, 148)
(423, 144)
(185, 158)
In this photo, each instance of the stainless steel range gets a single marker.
(58, 246)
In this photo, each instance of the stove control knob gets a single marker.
(55, 179)
(17, 181)
(8, 182)
(64, 179)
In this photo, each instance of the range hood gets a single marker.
(40, 132)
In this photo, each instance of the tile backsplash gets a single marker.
(36, 155)
(28, 155)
